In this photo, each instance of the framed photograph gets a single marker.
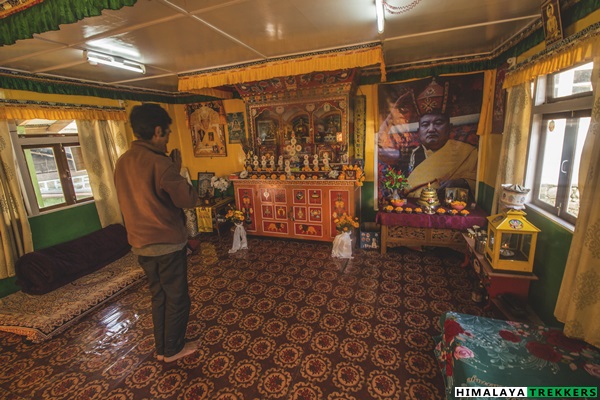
(236, 127)
(204, 187)
(456, 194)
(208, 133)
(551, 20)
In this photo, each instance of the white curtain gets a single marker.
(513, 154)
(14, 226)
(578, 305)
(102, 142)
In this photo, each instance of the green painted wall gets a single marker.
(551, 254)
(367, 203)
(485, 197)
(64, 225)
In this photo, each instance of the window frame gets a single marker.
(58, 142)
(546, 107)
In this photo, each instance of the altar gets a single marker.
(403, 229)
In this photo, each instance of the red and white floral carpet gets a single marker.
(282, 320)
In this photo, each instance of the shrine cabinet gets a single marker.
(304, 115)
(295, 208)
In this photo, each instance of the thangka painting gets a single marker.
(236, 127)
(428, 130)
(499, 100)
(206, 122)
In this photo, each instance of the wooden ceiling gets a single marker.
(174, 37)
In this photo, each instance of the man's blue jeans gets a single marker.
(168, 283)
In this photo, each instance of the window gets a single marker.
(561, 118)
(51, 163)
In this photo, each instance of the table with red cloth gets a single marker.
(403, 229)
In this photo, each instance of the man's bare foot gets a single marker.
(188, 349)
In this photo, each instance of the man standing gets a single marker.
(438, 160)
(152, 194)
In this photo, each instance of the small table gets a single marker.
(498, 282)
(215, 208)
(427, 229)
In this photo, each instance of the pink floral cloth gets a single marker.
(480, 351)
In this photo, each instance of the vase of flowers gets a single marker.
(220, 184)
(342, 244)
(239, 234)
(235, 216)
(395, 181)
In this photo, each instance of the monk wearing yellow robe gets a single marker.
(439, 160)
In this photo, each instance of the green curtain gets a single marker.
(49, 14)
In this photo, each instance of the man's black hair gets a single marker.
(146, 117)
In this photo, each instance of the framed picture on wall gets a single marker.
(552, 22)
(204, 187)
(236, 127)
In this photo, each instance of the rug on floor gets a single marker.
(40, 317)
(282, 320)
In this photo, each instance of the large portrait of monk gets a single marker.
(428, 130)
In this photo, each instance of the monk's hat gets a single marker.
(434, 99)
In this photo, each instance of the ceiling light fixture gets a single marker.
(118, 62)
(380, 15)
(400, 9)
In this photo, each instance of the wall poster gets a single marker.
(236, 127)
(428, 130)
(206, 122)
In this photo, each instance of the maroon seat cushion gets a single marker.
(47, 269)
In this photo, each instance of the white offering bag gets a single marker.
(239, 239)
(342, 246)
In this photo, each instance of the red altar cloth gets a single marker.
(476, 217)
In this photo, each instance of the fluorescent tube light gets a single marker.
(380, 15)
(97, 58)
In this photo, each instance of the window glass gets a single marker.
(79, 175)
(43, 170)
(561, 120)
(50, 157)
(573, 81)
(551, 160)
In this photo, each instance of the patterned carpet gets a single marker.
(282, 320)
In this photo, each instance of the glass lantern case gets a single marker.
(511, 242)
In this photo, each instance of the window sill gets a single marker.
(558, 221)
(61, 209)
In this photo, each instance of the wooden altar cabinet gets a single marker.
(298, 209)
(427, 230)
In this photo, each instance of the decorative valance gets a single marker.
(350, 57)
(15, 109)
(41, 16)
(563, 54)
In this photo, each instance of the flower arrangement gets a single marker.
(418, 210)
(354, 172)
(464, 213)
(408, 210)
(235, 216)
(345, 223)
(441, 211)
(453, 212)
(398, 209)
(394, 180)
(388, 208)
(221, 184)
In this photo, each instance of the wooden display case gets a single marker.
(302, 115)
(296, 209)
